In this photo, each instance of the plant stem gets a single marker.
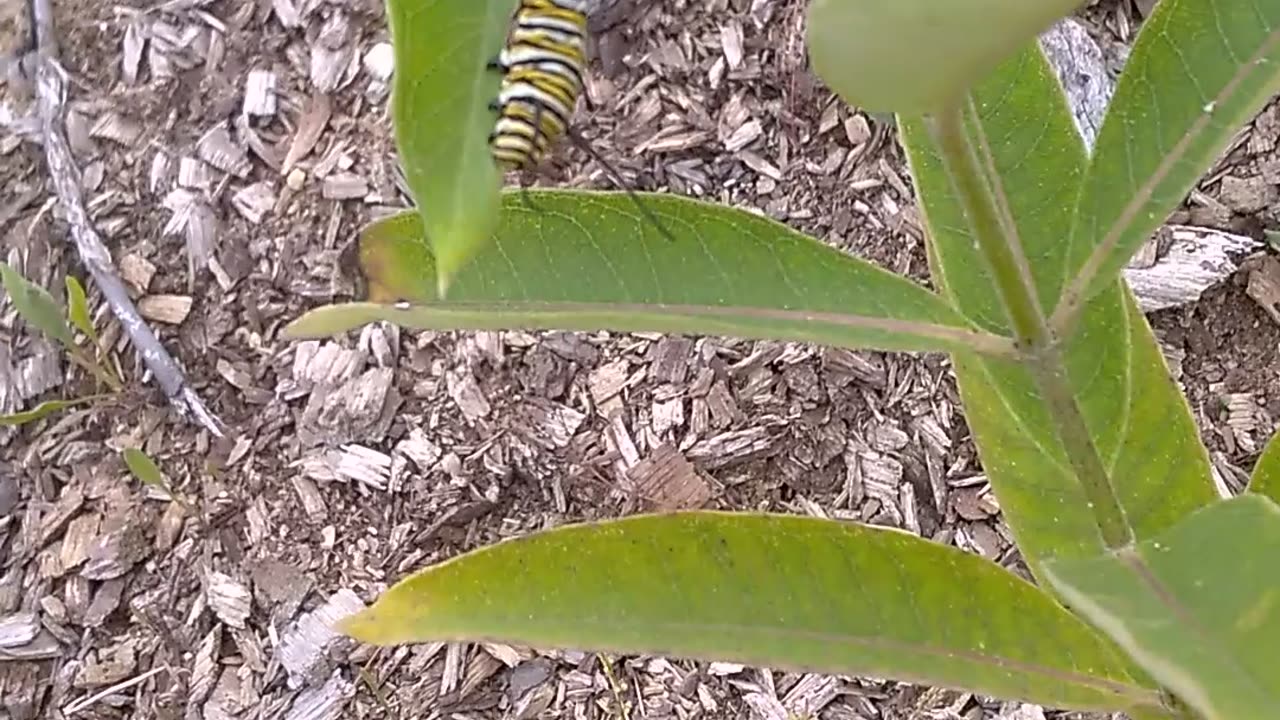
(998, 244)
(993, 238)
(1051, 378)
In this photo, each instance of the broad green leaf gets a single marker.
(1198, 606)
(440, 108)
(578, 260)
(913, 56)
(1266, 473)
(1199, 70)
(78, 310)
(782, 591)
(44, 409)
(1139, 422)
(36, 306)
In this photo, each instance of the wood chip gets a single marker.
(360, 409)
(344, 186)
(168, 309)
(324, 702)
(1020, 711)
(204, 669)
(44, 647)
(260, 93)
(671, 360)
(253, 202)
(669, 481)
(310, 127)
(192, 175)
(77, 539)
(67, 506)
(117, 128)
(133, 44)
(379, 61)
(106, 600)
(137, 271)
(811, 695)
(219, 150)
(550, 424)
(606, 382)
(18, 629)
(734, 447)
(312, 501)
(1195, 260)
(348, 463)
(305, 649)
(467, 395)
(114, 552)
(1078, 62)
(420, 449)
(228, 598)
(1264, 286)
(333, 57)
(731, 43)
(108, 666)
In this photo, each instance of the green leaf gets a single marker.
(581, 260)
(44, 410)
(1199, 70)
(36, 306)
(913, 56)
(1198, 606)
(145, 469)
(1138, 420)
(78, 310)
(1266, 473)
(440, 110)
(1026, 123)
(782, 591)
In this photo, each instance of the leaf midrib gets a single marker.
(977, 339)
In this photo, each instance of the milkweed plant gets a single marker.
(1151, 594)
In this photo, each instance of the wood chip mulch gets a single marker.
(229, 150)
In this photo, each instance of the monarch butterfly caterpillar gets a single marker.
(542, 66)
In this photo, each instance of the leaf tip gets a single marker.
(367, 626)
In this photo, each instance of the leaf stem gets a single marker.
(1051, 377)
(997, 242)
(993, 237)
